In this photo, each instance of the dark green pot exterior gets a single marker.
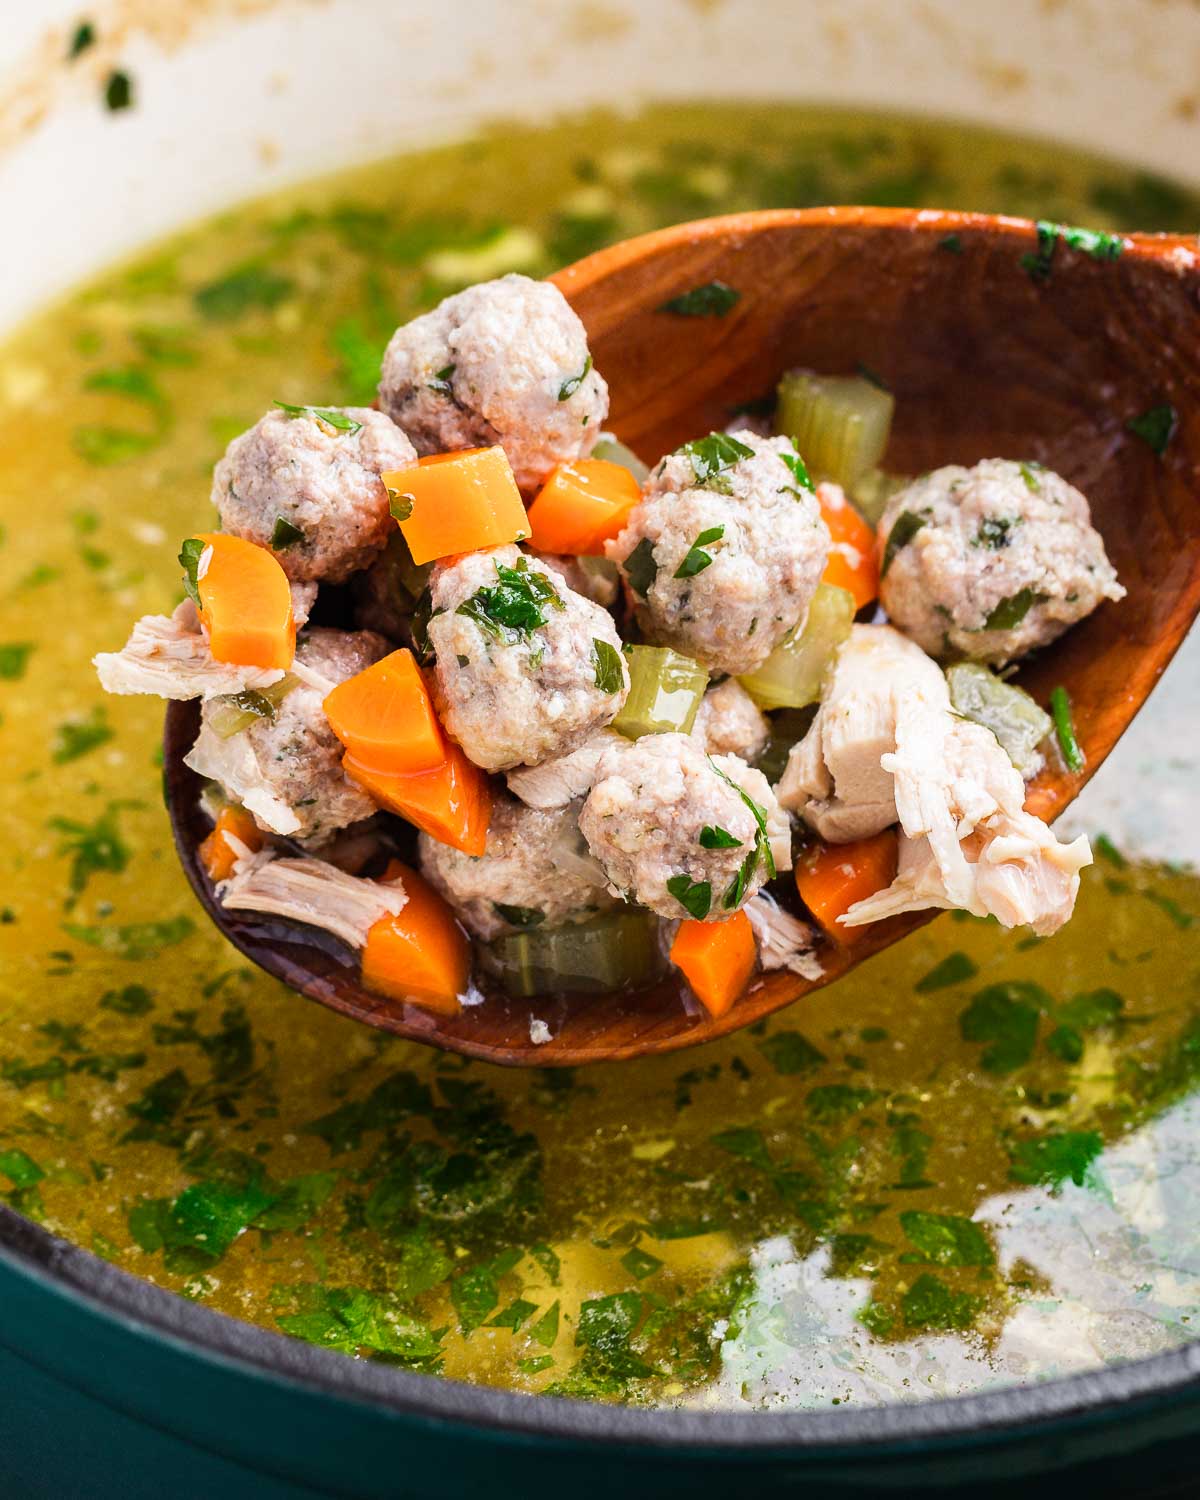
(112, 1388)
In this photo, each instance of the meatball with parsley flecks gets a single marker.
(992, 561)
(503, 362)
(285, 766)
(725, 549)
(525, 668)
(533, 871)
(307, 486)
(674, 830)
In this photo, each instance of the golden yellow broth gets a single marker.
(140, 1063)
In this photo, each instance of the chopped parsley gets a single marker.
(189, 558)
(94, 847)
(904, 528)
(83, 37)
(741, 881)
(712, 300)
(762, 846)
(606, 661)
(519, 916)
(14, 658)
(717, 838)
(1009, 613)
(1097, 243)
(695, 896)
(80, 736)
(799, 471)
(1060, 711)
(441, 381)
(1050, 1159)
(995, 531)
(955, 968)
(400, 505)
(570, 386)
(248, 286)
(1005, 1017)
(514, 607)
(284, 534)
(952, 243)
(710, 456)
(697, 559)
(1156, 427)
(328, 415)
(118, 91)
(640, 567)
(135, 939)
(1029, 473)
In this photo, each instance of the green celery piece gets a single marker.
(1008, 711)
(239, 711)
(618, 950)
(840, 423)
(665, 690)
(795, 672)
(613, 451)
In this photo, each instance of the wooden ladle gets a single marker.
(997, 343)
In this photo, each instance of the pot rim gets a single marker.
(1007, 1414)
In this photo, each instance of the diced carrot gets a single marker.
(717, 959)
(461, 502)
(385, 717)
(582, 505)
(832, 877)
(245, 603)
(858, 572)
(451, 803)
(218, 856)
(420, 954)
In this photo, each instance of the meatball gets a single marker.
(503, 362)
(320, 482)
(526, 669)
(672, 829)
(992, 561)
(724, 551)
(532, 871)
(287, 770)
(729, 722)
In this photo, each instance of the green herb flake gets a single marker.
(189, 560)
(118, 91)
(328, 415)
(247, 287)
(1005, 1016)
(535, 1364)
(513, 608)
(1098, 243)
(83, 37)
(1009, 613)
(640, 567)
(1156, 427)
(904, 528)
(545, 1330)
(929, 1303)
(14, 658)
(1064, 728)
(519, 916)
(134, 940)
(441, 381)
(697, 559)
(571, 385)
(831, 1103)
(695, 896)
(946, 1239)
(1107, 850)
(712, 300)
(790, 1053)
(94, 847)
(995, 532)
(710, 456)
(400, 505)
(514, 1316)
(799, 471)
(717, 838)
(952, 243)
(955, 968)
(78, 737)
(640, 1263)
(606, 665)
(21, 1170)
(131, 1000)
(284, 534)
(1051, 1159)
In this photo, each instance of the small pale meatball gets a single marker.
(526, 668)
(991, 562)
(532, 871)
(287, 770)
(722, 562)
(316, 480)
(729, 722)
(672, 829)
(503, 362)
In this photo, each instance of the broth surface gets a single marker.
(974, 1161)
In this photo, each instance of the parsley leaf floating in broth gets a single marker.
(14, 658)
(247, 287)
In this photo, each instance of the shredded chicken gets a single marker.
(784, 941)
(167, 656)
(555, 783)
(886, 747)
(312, 892)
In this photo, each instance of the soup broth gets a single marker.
(971, 1162)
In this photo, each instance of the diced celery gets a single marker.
(788, 728)
(665, 690)
(873, 491)
(839, 423)
(1008, 711)
(614, 951)
(229, 716)
(615, 452)
(795, 672)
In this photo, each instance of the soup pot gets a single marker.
(109, 1386)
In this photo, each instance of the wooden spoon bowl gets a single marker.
(990, 354)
